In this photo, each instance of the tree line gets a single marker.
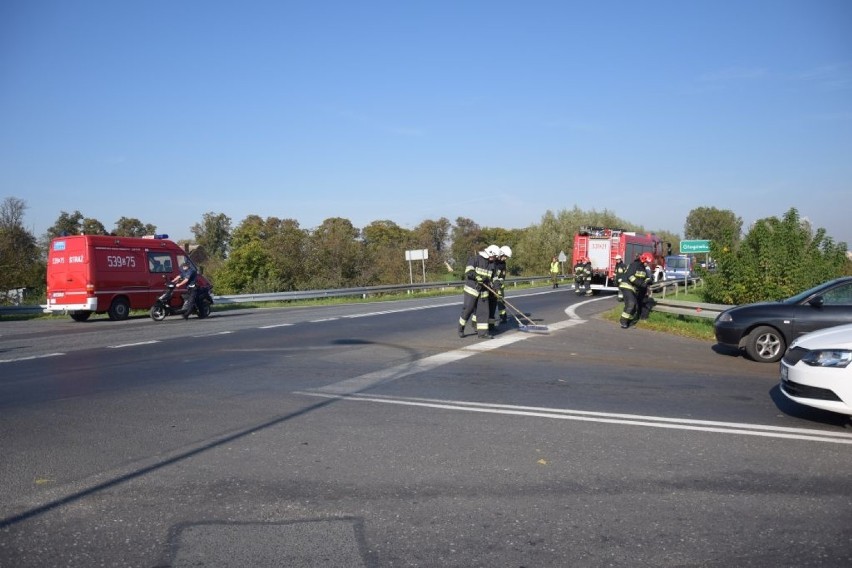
(271, 254)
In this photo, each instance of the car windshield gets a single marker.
(801, 297)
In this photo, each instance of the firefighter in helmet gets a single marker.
(620, 269)
(499, 275)
(587, 276)
(633, 286)
(579, 275)
(478, 276)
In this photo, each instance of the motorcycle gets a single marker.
(163, 305)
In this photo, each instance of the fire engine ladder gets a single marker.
(614, 248)
(582, 249)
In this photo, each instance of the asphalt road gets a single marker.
(371, 435)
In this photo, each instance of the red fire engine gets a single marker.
(601, 246)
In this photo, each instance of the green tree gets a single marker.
(66, 224)
(21, 261)
(287, 245)
(334, 255)
(776, 259)
(214, 234)
(266, 255)
(248, 269)
(466, 241)
(385, 244)
(91, 226)
(720, 226)
(434, 236)
(132, 227)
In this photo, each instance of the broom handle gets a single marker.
(505, 301)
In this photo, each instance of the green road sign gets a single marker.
(694, 246)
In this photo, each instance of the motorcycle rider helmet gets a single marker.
(646, 258)
(506, 251)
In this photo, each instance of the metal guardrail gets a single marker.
(359, 292)
(20, 310)
(362, 292)
(669, 305)
(693, 309)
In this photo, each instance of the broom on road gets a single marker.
(530, 327)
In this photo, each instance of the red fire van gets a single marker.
(106, 274)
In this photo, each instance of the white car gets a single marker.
(817, 369)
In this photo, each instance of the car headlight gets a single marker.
(828, 358)
(724, 316)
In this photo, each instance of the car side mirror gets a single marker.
(817, 301)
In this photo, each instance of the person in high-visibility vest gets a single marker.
(582, 279)
(478, 274)
(554, 272)
(498, 306)
(620, 269)
(635, 282)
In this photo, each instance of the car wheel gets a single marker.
(119, 309)
(81, 315)
(765, 344)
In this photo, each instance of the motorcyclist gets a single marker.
(188, 276)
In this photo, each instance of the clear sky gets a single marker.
(410, 110)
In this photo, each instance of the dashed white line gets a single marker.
(31, 357)
(122, 346)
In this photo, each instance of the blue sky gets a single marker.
(411, 110)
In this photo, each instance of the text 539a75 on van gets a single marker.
(99, 274)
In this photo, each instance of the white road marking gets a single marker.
(275, 325)
(133, 344)
(214, 334)
(31, 357)
(368, 380)
(351, 389)
(603, 417)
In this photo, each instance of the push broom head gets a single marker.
(533, 328)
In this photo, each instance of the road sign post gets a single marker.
(418, 254)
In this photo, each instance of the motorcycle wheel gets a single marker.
(203, 310)
(158, 312)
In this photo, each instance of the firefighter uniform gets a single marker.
(582, 276)
(498, 305)
(633, 286)
(554, 272)
(620, 269)
(478, 274)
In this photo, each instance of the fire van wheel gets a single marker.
(82, 315)
(765, 344)
(119, 309)
(158, 312)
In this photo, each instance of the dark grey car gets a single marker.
(765, 329)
